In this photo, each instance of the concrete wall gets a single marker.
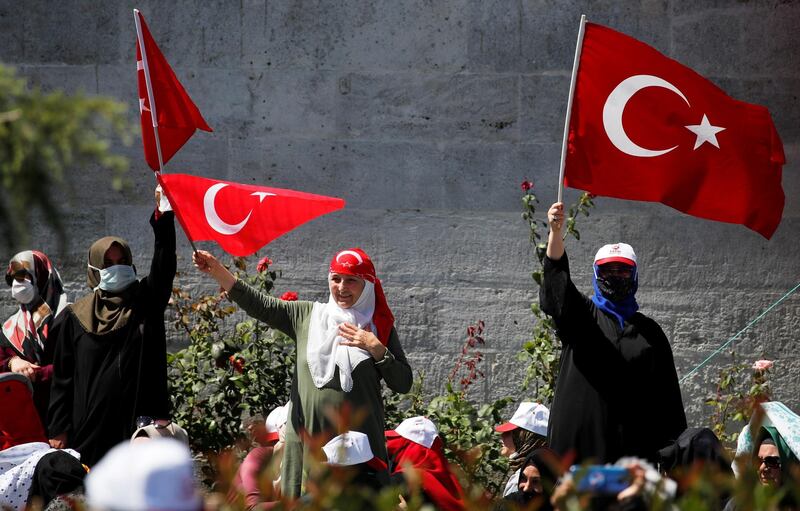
(425, 116)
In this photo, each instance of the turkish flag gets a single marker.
(176, 114)
(241, 218)
(645, 127)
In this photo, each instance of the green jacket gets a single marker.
(311, 407)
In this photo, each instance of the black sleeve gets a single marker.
(157, 286)
(61, 388)
(560, 299)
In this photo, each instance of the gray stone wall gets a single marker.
(425, 116)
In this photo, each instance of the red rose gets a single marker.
(237, 363)
(263, 264)
(526, 185)
(289, 296)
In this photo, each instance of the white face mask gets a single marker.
(115, 278)
(23, 291)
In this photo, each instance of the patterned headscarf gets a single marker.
(26, 331)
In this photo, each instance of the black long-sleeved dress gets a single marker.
(102, 383)
(617, 391)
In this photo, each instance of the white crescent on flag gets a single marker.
(213, 218)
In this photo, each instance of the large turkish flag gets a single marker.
(645, 127)
(241, 218)
(176, 114)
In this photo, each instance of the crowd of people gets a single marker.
(86, 406)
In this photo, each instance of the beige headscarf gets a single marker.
(103, 312)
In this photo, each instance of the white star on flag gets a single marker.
(705, 132)
(142, 108)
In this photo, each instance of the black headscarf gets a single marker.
(694, 446)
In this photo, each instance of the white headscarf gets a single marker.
(324, 352)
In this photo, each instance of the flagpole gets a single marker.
(575, 63)
(149, 85)
(153, 114)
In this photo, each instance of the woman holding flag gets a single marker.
(110, 368)
(617, 391)
(344, 348)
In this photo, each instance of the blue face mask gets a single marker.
(115, 278)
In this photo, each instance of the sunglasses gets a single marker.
(144, 421)
(770, 461)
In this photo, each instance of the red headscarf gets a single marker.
(438, 483)
(356, 262)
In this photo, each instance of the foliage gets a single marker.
(42, 135)
(467, 430)
(226, 374)
(741, 387)
(540, 354)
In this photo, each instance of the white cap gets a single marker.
(420, 430)
(276, 420)
(351, 448)
(145, 475)
(616, 252)
(531, 416)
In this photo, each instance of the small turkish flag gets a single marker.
(176, 114)
(241, 218)
(645, 127)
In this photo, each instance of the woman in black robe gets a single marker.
(110, 359)
(617, 391)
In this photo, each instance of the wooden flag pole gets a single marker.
(575, 63)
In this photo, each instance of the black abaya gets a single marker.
(617, 391)
(101, 383)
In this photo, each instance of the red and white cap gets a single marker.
(419, 430)
(275, 421)
(530, 416)
(352, 448)
(615, 253)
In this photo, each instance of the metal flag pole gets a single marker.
(578, 48)
(153, 114)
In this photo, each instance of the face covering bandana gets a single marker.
(115, 278)
(23, 291)
(614, 287)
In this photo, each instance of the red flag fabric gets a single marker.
(176, 114)
(645, 127)
(241, 218)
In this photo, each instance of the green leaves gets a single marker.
(42, 136)
(227, 372)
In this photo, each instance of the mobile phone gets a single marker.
(601, 479)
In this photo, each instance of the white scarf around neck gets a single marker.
(324, 351)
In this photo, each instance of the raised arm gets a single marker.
(279, 314)
(158, 283)
(555, 239)
(558, 296)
